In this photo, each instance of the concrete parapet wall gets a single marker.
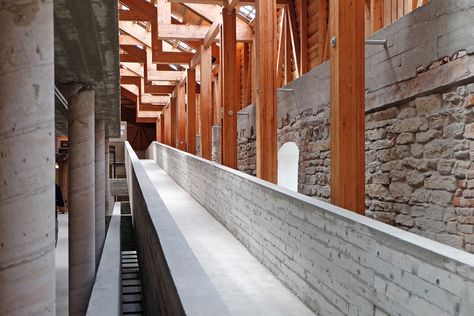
(335, 261)
(174, 283)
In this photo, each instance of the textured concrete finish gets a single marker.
(105, 297)
(62, 267)
(99, 189)
(244, 284)
(336, 261)
(81, 201)
(27, 208)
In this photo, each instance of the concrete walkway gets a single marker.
(62, 268)
(244, 284)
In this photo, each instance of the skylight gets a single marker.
(247, 11)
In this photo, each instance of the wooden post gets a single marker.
(206, 102)
(376, 13)
(347, 104)
(181, 116)
(159, 122)
(303, 23)
(191, 113)
(173, 119)
(230, 88)
(266, 90)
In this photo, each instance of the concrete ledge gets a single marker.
(337, 262)
(118, 187)
(105, 298)
(167, 263)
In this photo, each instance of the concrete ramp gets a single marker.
(244, 284)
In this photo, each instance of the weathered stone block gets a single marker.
(406, 112)
(430, 225)
(438, 182)
(401, 191)
(414, 124)
(441, 197)
(417, 150)
(466, 229)
(415, 178)
(383, 115)
(469, 131)
(407, 138)
(452, 227)
(451, 240)
(421, 195)
(405, 220)
(381, 178)
(455, 130)
(427, 105)
(377, 191)
(445, 166)
(426, 137)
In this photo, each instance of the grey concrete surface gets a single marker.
(106, 295)
(62, 267)
(81, 201)
(86, 51)
(336, 261)
(27, 211)
(99, 189)
(244, 284)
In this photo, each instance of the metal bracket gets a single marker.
(333, 41)
(382, 42)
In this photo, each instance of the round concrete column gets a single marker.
(81, 201)
(99, 189)
(27, 203)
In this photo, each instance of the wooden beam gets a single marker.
(159, 123)
(231, 4)
(212, 34)
(347, 115)
(191, 110)
(266, 91)
(206, 102)
(323, 29)
(163, 75)
(181, 116)
(159, 89)
(193, 33)
(303, 23)
(132, 15)
(144, 7)
(173, 121)
(230, 88)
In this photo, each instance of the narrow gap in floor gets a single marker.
(132, 297)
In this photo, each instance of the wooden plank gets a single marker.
(347, 110)
(303, 23)
(159, 122)
(194, 33)
(173, 122)
(181, 116)
(212, 34)
(163, 75)
(376, 13)
(144, 7)
(206, 102)
(266, 91)
(230, 88)
(158, 89)
(191, 110)
(387, 12)
(323, 28)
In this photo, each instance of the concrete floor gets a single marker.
(244, 284)
(62, 261)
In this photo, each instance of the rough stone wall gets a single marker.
(418, 166)
(246, 140)
(336, 262)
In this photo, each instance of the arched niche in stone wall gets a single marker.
(288, 157)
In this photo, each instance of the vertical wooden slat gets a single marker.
(266, 91)
(181, 113)
(323, 28)
(230, 88)
(206, 102)
(347, 115)
(191, 110)
(376, 12)
(303, 23)
(288, 53)
(173, 121)
(394, 10)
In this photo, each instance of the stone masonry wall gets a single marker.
(418, 125)
(246, 141)
(336, 262)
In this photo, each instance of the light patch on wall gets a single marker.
(288, 157)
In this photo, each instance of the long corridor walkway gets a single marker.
(244, 284)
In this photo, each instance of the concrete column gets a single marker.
(108, 199)
(27, 207)
(99, 189)
(81, 201)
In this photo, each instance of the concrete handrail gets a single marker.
(106, 294)
(174, 282)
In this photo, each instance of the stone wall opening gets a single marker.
(288, 157)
